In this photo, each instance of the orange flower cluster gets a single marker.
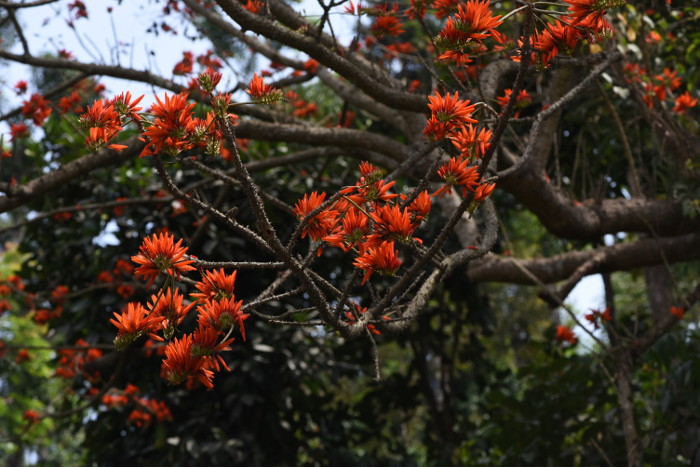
(18, 131)
(585, 21)
(193, 357)
(300, 107)
(20, 87)
(677, 311)
(471, 24)
(70, 103)
(145, 410)
(262, 93)
(159, 253)
(169, 132)
(387, 25)
(37, 108)
(472, 145)
(71, 362)
(148, 410)
(184, 66)
(31, 416)
(565, 334)
(175, 128)
(596, 316)
(43, 315)
(449, 113)
(471, 142)
(367, 220)
(522, 101)
(122, 270)
(104, 120)
(591, 13)
(684, 102)
(660, 88)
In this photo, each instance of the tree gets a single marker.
(334, 229)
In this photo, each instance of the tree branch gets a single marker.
(620, 257)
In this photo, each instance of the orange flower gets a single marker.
(160, 253)
(222, 314)
(180, 364)
(445, 8)
(456, 173)
(105, 277)
(591, 13)
(677, 311)
(58, 295)
(354, 227)
(254, 6)
(483, 191)
(386, 26)
(370, 173)
(99, 137)
(20, 87)
(125, 107)
(206, 344)
(22, 356)
(595, 316)
(18, 130)
(169, 306)
(209, 79)
(215, 285)
(392, 222)
(132, 323)
(470, 142)
(262, 93)
(32, 416)
(556, 38)
(382, 259)
(101, 115)
(564, 334)
(311, 65)
(322, 223)
(448, 113)
(103, 124)
(472, 23)
(37, 108)
(184, 66)
(123, 268)
(417, 9)
(419, 208)
(684, 102)
(368, 192)
(168, 132)
(522, 101)
(68, 103)
(475, 19)
(668, 79)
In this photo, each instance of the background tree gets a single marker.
(411, 311)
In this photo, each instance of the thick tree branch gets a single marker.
(94, 69)
(566, 218)
(72, 170)
(387, 95)
(319, 136)
(620, 257)
(16, 5)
